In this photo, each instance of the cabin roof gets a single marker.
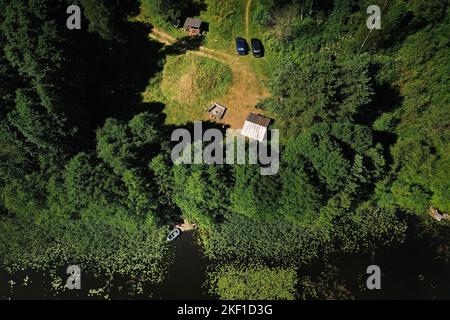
(259, 120)
(255, 127)
(192, 23)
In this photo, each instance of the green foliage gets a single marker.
(428, 11)
(254, 195)
(106, 18)
(307, 89)
(328, 285)
(36, 124)
(120, 144)
(168, 11)
(262, 13)
(201, 192)
(33, 44)
(300, 198)
(321, 87)
(84, 183)
(364, 139)
(253, 282)
(226, 22)
(337, 158)
(421, 154)
(277, 240)
(60, 206)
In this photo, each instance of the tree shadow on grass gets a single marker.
(132, 64)
(120, 71)
(182, 45)
(114, 74)
(191, 8)
(194, 8)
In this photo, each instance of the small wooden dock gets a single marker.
(435, 214)
(186, 226)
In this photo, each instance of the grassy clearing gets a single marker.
(187, 85)
(226, 20)
(148, 15)
(175, 86)
(262, 67)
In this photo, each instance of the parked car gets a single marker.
(257, 48)
(241, 46)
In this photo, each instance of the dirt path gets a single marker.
(247, 17)
(244, 92)
(162, 37)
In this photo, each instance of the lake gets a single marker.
(409, 271)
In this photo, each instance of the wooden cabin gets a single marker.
(193, 27)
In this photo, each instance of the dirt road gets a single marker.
(247, 18)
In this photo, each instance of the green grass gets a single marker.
(147, 15)
(226, 20)
(262, 66)
(187, 86)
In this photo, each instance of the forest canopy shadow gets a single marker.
(192, 8)
(118, 72)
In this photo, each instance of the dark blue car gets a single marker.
(257, 48)
(241, 46)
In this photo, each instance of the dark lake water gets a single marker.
(409, 271)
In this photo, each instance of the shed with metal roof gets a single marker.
(255, 127)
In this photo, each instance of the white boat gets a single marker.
(173, 234)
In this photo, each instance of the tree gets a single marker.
(40, 50)
(168, 10)
(34, 46)
(254, 195)
(300, 198)
(320, 88)
(202, 193)
(106, 18)
(421, 152)
(36, 124)
(124, 146)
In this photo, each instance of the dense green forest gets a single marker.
(86, 176)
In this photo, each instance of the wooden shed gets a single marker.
(193, 26)
(255, 127)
